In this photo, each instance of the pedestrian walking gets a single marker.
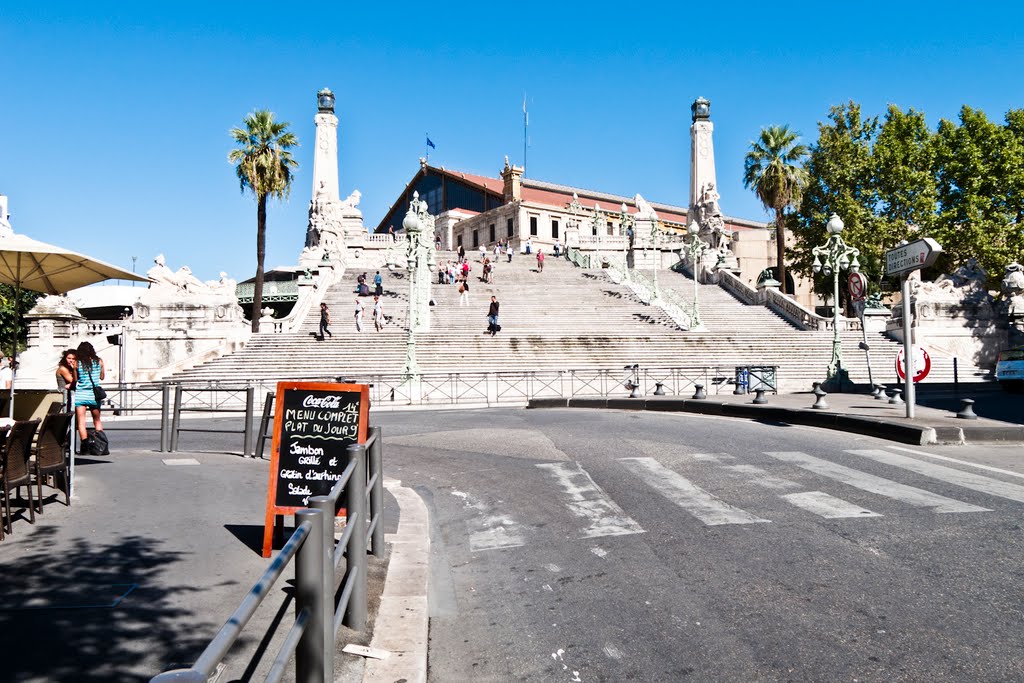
(508, 250)
(483, 253)
(540, 260)
(378, 314)
(464, 293)
(378, 284)
(462, 253)
(325, 320)
(359, 315)
(492, 317)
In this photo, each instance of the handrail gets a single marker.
(311, 638)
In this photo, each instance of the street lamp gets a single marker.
(830, 258)
(657, 257)
(413, 224)
(695, 250)
(628, 226)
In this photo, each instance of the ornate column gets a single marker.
(702, 154)
(325, 159)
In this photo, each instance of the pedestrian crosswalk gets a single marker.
(720, 489)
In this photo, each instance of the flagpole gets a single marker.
(526, 123)
(426, 148)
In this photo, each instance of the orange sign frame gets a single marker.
(273, 510)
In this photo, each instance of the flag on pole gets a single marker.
(430, 144)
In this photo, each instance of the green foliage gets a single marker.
(9, 313)
(980, 173)
(772, 169)
(264, 166)
(894, 179)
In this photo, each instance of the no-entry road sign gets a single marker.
(922, 364)
(913, 256)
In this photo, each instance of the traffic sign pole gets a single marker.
(908, 349)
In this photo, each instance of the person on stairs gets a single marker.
(492, 317)
(325, 320)
(378, 314)
(378, 284)
(359, 315)
(464, 292)
(540, 260)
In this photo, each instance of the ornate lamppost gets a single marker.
(628, 226)
(416, 256)
(599, 226)
(830, 258)
(655, 233)
(695, 251)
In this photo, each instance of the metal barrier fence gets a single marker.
(319, 610)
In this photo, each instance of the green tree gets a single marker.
(264, 166)
(979, 171)
(9, 313)
(772, 170)
(877, 176)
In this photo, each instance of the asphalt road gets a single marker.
(576, 545)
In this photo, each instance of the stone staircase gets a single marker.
(562, 319)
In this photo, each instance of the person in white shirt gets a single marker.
(378, 314)
(359, 315)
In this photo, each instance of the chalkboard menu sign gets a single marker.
(314, 422)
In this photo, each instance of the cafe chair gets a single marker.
(16, 453)
(51, 455)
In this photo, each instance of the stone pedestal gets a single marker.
(54, 325)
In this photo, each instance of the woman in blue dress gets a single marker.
(88, 374)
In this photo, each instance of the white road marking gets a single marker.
(177, 462)
(761, 477)
(716, 458)
(612, 652)
(872, 484)
(968, 480)
(553, 568)
(987, 468)
(490, 530)
(827, 506)
(600, 552)
(678, 489)
(589, 502)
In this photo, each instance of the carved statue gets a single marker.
(224, 285)
(161, 275)
(965, 284)
(644, 210)
(1013, 289)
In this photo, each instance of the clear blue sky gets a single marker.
(114, 117)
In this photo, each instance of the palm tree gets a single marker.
(771, 168)
(264, 165)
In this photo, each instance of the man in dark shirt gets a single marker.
(492, 317)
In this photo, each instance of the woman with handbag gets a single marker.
(88, 392)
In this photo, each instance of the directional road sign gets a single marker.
(913, 256)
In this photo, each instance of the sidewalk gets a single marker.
(856, 413)
(137, 576)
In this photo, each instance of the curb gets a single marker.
(916, 435)
(402, 619)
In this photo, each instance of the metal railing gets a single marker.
(319, 610)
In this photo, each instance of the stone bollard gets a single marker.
(820, 403)
(634, 390)
(699, 393)
(895, 397)
(879, 392)
(759, 398)
(967, 409)
(659, 388)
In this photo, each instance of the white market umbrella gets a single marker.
(26, 263)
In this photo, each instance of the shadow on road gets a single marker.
(91, 612)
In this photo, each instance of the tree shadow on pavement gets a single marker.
(91, 612)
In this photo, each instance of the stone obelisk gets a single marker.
(325, 160)
(702, 155)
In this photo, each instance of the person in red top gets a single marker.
(540, 260)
